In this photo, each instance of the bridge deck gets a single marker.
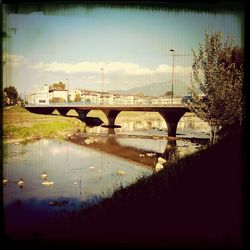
(120, 107)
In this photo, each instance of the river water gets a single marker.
(83, 169)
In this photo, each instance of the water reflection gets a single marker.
(143, 150)
(47, 176)
(53, 169)
(188, 126)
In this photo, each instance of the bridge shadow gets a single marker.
(91, 121)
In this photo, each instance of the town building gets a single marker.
(39, 95)
(45, 94)
(57, 93)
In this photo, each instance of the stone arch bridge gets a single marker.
(171, 113)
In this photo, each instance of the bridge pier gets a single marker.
(111, 116)
(82, 114)
(172, 119)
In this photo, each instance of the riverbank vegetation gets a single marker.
(20, 124)
(217, 83)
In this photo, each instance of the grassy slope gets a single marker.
(196, 202)
(19, 123)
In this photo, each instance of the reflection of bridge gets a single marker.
(171, 113)
(111, 145)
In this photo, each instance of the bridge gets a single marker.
(171, 113)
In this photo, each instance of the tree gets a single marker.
(57, 100)
(10, 96)
(169, 93)
(216, 86)
(77, 98)
(57, 86)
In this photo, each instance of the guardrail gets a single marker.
(104, 105)
(147, 103)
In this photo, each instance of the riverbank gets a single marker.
(196, 202)
(21, 125)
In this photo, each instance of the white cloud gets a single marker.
(93, 67)
(13, 60)
(109, 68)
(164, 68)
(117, 75)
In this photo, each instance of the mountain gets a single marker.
(157, 89)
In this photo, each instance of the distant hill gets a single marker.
(157, 89)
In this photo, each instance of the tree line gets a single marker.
(10, 97)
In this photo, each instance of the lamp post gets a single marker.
(172, 50)
(102, 69)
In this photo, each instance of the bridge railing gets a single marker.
(110, 103)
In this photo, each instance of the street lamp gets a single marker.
(102, 82)
(172, 50)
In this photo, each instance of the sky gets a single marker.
(131, 45)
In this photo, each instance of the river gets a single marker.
(61, 175)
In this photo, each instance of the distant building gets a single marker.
(39, 95)
(73, 93)
(62, 94)
(43, 94)
(163, 100)
(57, 93)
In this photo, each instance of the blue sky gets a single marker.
(131, 45)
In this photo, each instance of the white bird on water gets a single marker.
(20, 182)
(5, 181)
(44, 175)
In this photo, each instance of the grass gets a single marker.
(18, 123)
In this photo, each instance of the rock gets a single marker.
(161, 160)
(120, 172)
(88, 141)
(158, 167)
(150, 154)
(48, 183)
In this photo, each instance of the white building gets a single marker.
(63, 94)
(39, 95)
(43, 95)
(73, 93)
